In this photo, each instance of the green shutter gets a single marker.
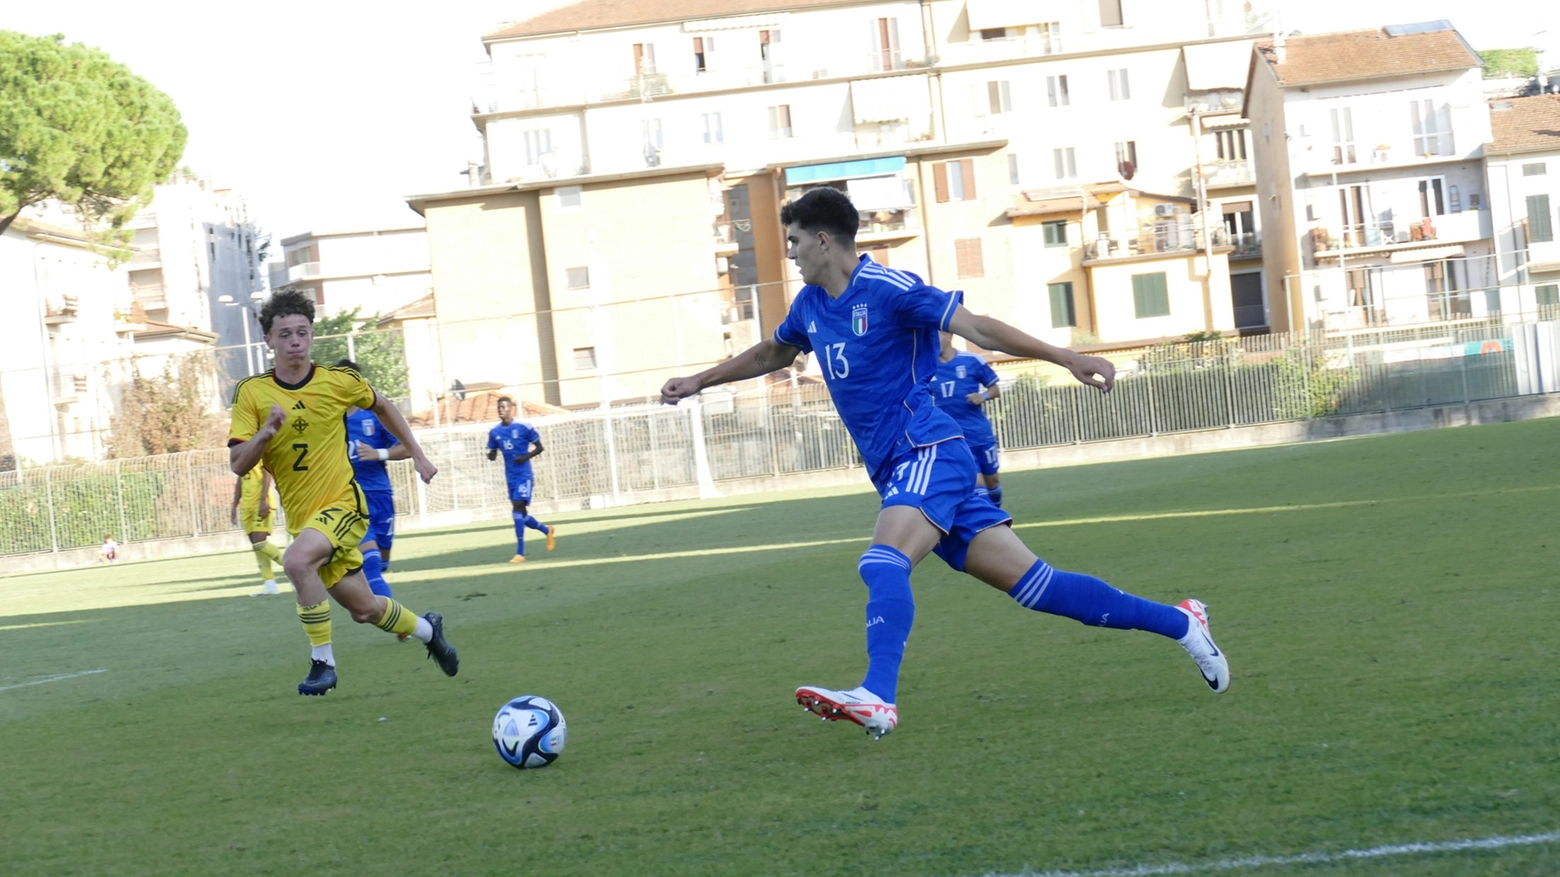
(1539, 227)
(1062, 315)
(1151, 295)
(1548, 294)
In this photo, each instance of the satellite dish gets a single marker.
(458, 390)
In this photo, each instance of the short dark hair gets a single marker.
(285, 302)
(347, 363)
(824, 209)
(505, 399)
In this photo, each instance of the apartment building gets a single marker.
(1522, 163)
(1372, 191)
(375, 270)
(946, 120)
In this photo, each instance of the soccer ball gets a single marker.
(529, 732)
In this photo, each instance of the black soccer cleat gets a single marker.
(439, 648)
(322, 678)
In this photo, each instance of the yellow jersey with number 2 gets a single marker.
(308, 456)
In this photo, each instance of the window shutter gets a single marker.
(967, 174)
(1539, 227)
(940, 179)
(1150, 295)
(968, 258)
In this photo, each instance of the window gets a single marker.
(1432, 127)
(1232, 144)
(780, 122)
(954, 180)
(1014, 177)
(1055, 233)
(584, 359)
(1343, 136)
(644, 59)
(1539, 228)
(1536, 169)
(713, 133)
(1056, 91)
(967, 255)
(996, 33)
(1119, 90)
(1062, 316)
(579, 278)
(1066, 163)
(652, 142)
(766, 38)
(885, 45)
(702, 47)
(1548, 294)
(999, 97)
(1432, 197)
(537, 144)
(1110, 13)
(1051, 37)
(571, 198)
(1150, 295)
(1126, 158)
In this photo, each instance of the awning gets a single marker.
(987, 14)
(1219, 123)
(1543, 267)
(879, 193)
(844, 170)
(1050, 206)
(1421, 254)
(1213, 66)
(771, 21)
(890, 99)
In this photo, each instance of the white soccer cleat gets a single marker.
(857, 705)
(268, 588)
(1214, 665)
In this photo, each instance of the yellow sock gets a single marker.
(316, 622)
(270, 550)
(263, 560)
(397, 619)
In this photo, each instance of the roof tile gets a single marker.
(595, 14)
(1525, 124)
(1366, 54)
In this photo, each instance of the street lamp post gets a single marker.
(249, 363)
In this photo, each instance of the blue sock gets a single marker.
(373, 570)
(996, 495)
(535, 524)
(1088, 600)
(890, 613)
(519, 532)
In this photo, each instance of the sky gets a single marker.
(326, 114)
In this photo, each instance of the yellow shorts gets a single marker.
(345, 529)
(249, 518)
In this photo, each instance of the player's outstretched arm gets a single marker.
(391, 417)
(246, 455)
(760, 359)
(993, 334)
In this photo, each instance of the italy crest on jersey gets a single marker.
(959, 370)
(858, 319)
(368, 427)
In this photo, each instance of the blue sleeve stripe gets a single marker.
(781, 339)
(953, 303)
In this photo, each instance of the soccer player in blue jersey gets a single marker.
(964, 383)
(369, 445)
(515, 441)
(874, 333)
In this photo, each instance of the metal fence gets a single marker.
(644, 453)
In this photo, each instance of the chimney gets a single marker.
(1278, 48)
(473, 174)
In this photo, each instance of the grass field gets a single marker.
(1389, 605)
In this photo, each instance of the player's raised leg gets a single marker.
(999, 558)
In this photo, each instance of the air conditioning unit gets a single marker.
(722, 264)
(1164, 209)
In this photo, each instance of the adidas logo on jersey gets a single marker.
(812, 327)
(299, 406)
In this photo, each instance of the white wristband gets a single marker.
(384, 453)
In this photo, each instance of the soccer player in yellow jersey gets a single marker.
(254, 505)
(292, 419)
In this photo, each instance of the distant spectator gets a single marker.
(110, 550)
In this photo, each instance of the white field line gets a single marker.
(51, 679)
(1409, 849)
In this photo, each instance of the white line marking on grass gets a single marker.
(1447, 846)
(51, 679)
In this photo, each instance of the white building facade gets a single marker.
(1523, 167)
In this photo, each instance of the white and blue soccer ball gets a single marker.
(529, 731)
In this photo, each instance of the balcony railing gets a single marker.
(145, 257)
(1221, 174)
(150, 297)
(301, 270)
(1167, 236)
(59, 309)
(1450, 228)
(1247, 244)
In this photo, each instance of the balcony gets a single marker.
(1163, 239)
(1375, 238)
(59, 309)
(1027, 45)
(149, 257)
(303, 270)
(726, 234)
(1248, 245)
(1229, 174)
(151, 298)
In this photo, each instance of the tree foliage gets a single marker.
(381, 354)
(78, 127)
(1504, 63)
(167, 413)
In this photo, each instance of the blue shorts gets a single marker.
(985, 456)
(519, 490)
(381, 517)
(940, 481)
